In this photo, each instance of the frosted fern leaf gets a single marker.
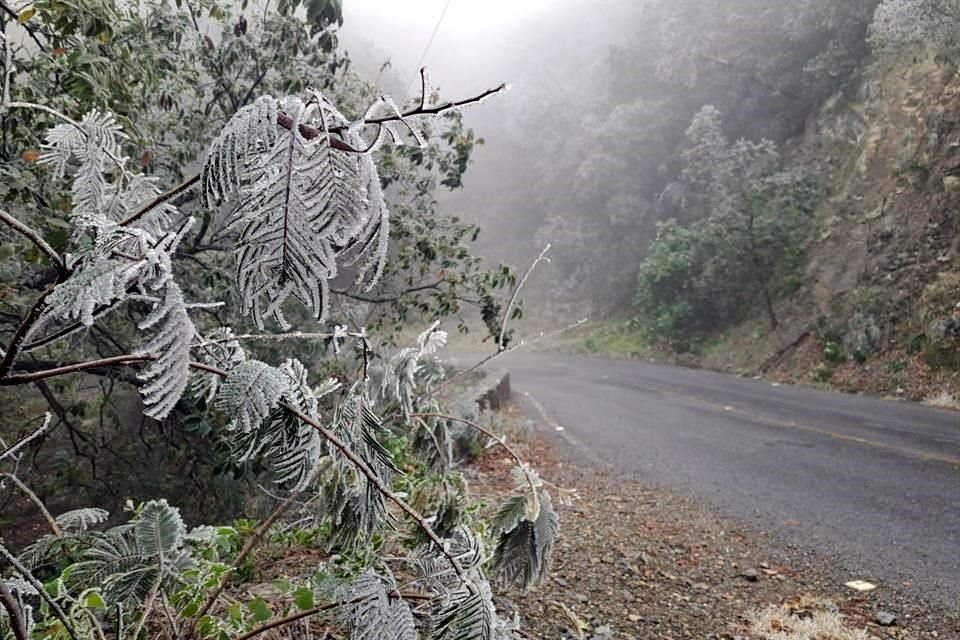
(291, 447)
(401, 622)
(283, 249)
(369, 614)
(523, 553)
(167, 375)
(349, 500)
(406, 368)
(250, 393)
(97, 282)
(308, 193)
(467, 613)
(96, 139)
(158, 528)
(79, 520)
(251, 130)
(128, 561)
(93, 144)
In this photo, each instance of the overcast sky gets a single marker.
(470, 33)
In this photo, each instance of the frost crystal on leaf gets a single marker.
(167, 376)
(309, 192)
(250, 393)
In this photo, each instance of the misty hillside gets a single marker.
(750, 185)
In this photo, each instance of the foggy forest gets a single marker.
(480, 320)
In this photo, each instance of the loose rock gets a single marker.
(885, 618)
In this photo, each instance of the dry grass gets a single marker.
(783, 622)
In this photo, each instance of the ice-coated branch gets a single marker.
(20, 444)
(309, 132)
(516, 292)
(364, 469)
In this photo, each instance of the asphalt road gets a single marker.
(874, 483)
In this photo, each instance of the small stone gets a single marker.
(885, 618)
(951, 183)
(629, 597)
(750, 575)
(604, 632)
(560, 581)
(632, 617)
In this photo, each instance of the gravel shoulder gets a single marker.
(635, 561)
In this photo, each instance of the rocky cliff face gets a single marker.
(881, 311)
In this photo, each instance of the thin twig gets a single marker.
(497, 440)
(36, 584)
(293, 617)
(516, 292)
(162, 198)
(496, 354)
(247, 549)
(42, 107)
(7, 66)
(15, 613)
(16, 446)
(148, 605)
(57, 531)
(36, 239)
(23, 378)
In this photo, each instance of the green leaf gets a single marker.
(95, 601)
(303, 597)
(235, 612)
(261, 612)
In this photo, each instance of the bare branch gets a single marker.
(496, 354)
(57, 531)
(16, 446)
(21, 333)
(162, 198)
(516, 292)
(15, 613)
(280, 622)
(54, 607)
(76, 367)
(36, 239)
(247, 549)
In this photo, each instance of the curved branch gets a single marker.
(247, 549)
(35, 499)
(36, 239)
(29, 577)
(14, 612)
(21, 333)
(516, 292)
